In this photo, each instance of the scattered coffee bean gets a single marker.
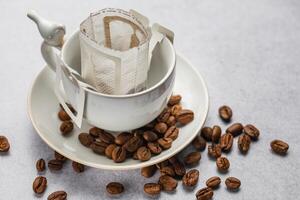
(39, 184)
(66, 127)
(279, 146)
(214, 150)
(154, 147)
(148, 171)
(133, 144)
(235, 129)
(213, 182)
(40, 165)
(226, 141)
(185, 116)
(106, 137)
(123, 137)
(171, 121)
(4, 144)
(205, 194)
(119, 154)
(192, 158)
(216, 134)
(164, 116)
(98, 147)
(167, 170)
(252, 131)
(206, 133)
(199, 143)
(190, 179)
(114, 188)
(244, 142)
(95, 132)
(168, 183)
(85, 139)
(59, 157)
(152, 188)
(150, 136)
(165, 143)
(55, 165)
(232, 183)
(161, 127)
(174, 99)
(63, 116)
(77, 167)
(143, 153)
(225, 113)
(109, 149)
(179, 167)
(172, 133)
(223, 164)
(58, 195)
(176, 109)
(162, 164)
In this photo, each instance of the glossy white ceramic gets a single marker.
(43, 107)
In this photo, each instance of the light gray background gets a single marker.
(248, 52)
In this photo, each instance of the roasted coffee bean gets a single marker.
(150, 136)
(123, 137)
(176, 109)
(39, 184)
(63, 116)
(213, 182)
(40, 165)
(205, 194)
(148, 171)
(223, 164)
(174, 99)
(235, 129)
(133, 144)
(171, 121)
(225, 113)
(232, 183)
(154, 147)
(106, 137)
(109, 149)
(161, 127)
(152, 188)
(167, 170)
(165, 143)
(179, 167)
(172, 133)
(55, 165)
(85, 139)
(77, 167)
(252, 131)
(162, 164)
(185, 116)
(114, 188)
(99, 147)
(192, 158)
(226, 141)
(244, 142)
(279, 146)
(143, 154)
(59, 157)
(66, 127)
(4, 144)
(199, 143)
(190, 179)
(206, 133)
(216, 134)
(164, 116)
(134, 156)
(58, 195)
(214, 150)
(95, 132)
(167, 182)
(119, 154)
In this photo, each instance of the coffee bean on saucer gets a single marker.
(98, 147)
(192, 158)
(164, 116)
(279, 146)
(216, 134)
(223, 164)
(143, 154)
(77, 167)
(172, 133)
(225, 113)
(232, 183)
(85, 139)
(161, 127)
(119, 154)
(152, 188)
(174, 99)
(167, 183)
(148, 171)
(235, 129)
(123, 137)
(59, 157)
(165, 143)
(133, 144)
(171, 121)
(58, 195)
(199, 143)
(134, 156)
(66, 127)
(150, 136)
(185, 116)
(106, 137)
(252, 131)
(214, 150)
(55, 165)
(114, 188)
(176, 109)
(226, 141)
(39, 184)
(109, 149)
(205, 194)
(244, 142)
(190, 179)
(154, 147)
(4, 144)
(167, 170)
(40, 165)
(95, 132)
(213, 182)
(206, 133)
(63, 115)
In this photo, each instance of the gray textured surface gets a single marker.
(248, 52)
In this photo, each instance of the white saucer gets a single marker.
(43, 107)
